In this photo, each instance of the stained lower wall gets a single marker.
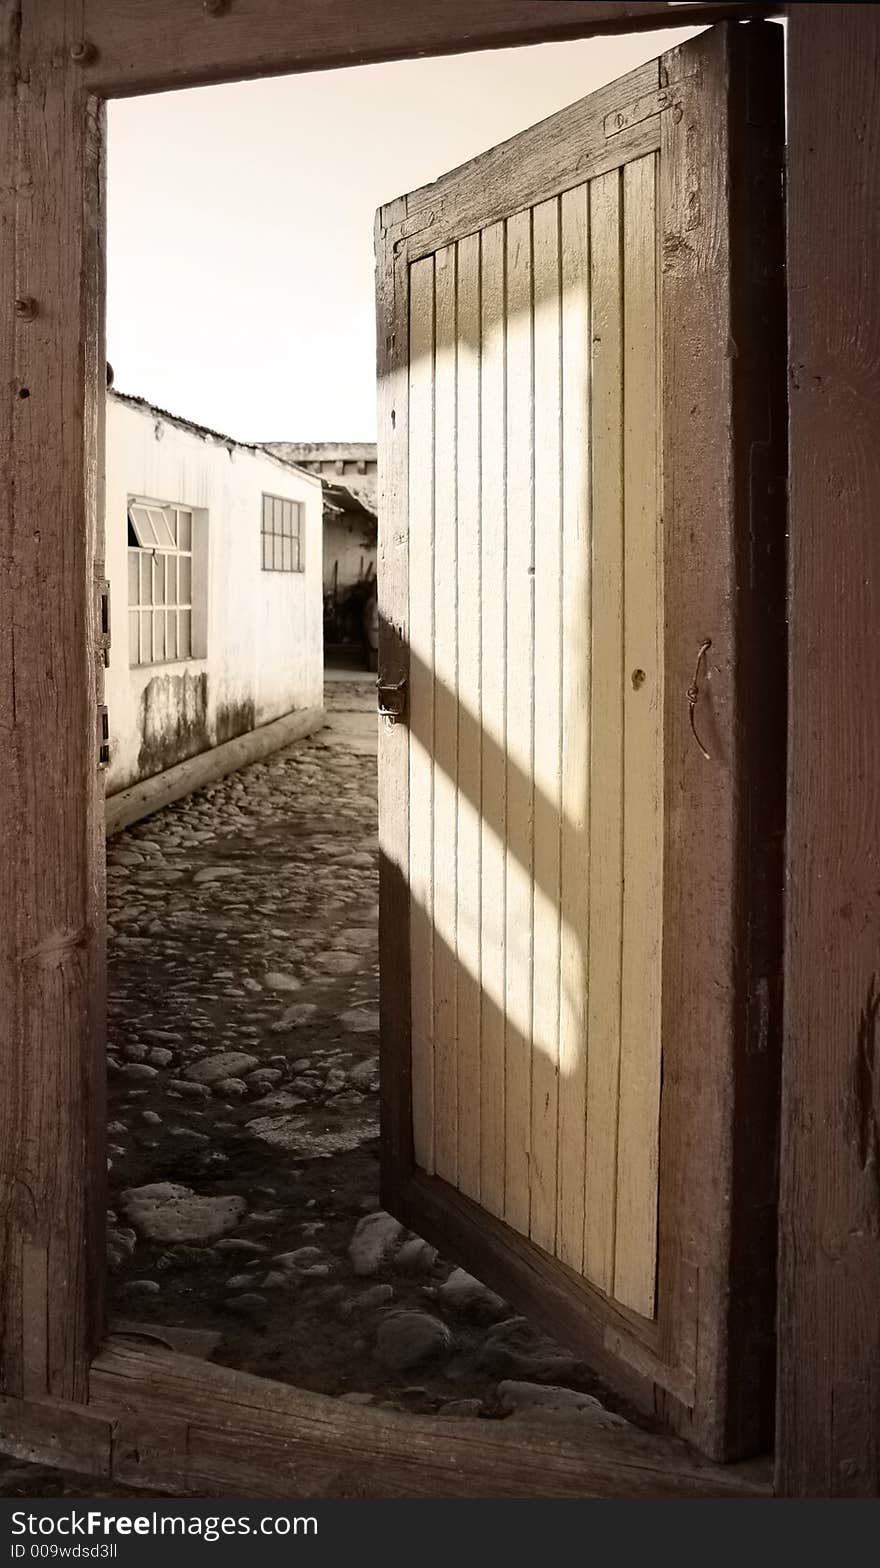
(261, 631)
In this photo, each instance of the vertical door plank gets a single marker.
(445, 719)
(421, 697)
(52, 1163)
(547, 733)
(829, 1347)
(639, 1111)
(520, 674)
(493, 739)
(469, 715)
(606, 766)
(52, 906)
(397, 916)
(576, 612)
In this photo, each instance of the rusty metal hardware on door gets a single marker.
(693, 695)
(391, 700)
(103, 736)
(103, 587)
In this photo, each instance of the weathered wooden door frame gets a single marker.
(58, 59)
(713, 111)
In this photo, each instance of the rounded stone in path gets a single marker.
(265, 1079)
(375, 1238)
(294, 1017)
(276, 981)
(361, 938)
(363, 1074)
(416, 1257)
(406, 1339)
(139, 1072)
(334, 963)
(215, 873)
(298, 1135)
(189, 1091)
(222, 1065)
(465, 1294)
(164, 1212)
(538, 1398)
(142, 1287)
(361, 1020)
(369, 1300)
(231, 1088)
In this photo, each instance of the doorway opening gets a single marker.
(245, 1222)
(580, 240)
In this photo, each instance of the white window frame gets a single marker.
(160, 582)
(282, 544)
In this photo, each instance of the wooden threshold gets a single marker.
(159, 1420)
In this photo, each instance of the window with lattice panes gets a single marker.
(282, 534)
(159, 582)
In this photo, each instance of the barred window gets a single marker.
(159, 583)
(282, 534)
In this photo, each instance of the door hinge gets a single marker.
(391, 699)
(103, 736)
(103, 619)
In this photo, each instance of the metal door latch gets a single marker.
(391, 700)
(103, 589)
(103, 736)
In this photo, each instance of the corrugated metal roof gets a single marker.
(341, 499)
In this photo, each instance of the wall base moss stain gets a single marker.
(173, 721)
(176, 721)
(235, 718)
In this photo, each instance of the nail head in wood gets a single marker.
(26, 308)
(83, 52)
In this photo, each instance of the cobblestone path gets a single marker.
(243, 1105)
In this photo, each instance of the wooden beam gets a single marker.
(51, 812)
(57, 1433)
(829, 1324)
(225, 1432)
(149, 45)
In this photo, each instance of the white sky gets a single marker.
(240, 222)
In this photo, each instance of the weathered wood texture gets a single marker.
(516, 717)
(161, 1420)
(218, 1431)
(394, 785)
(723, 374)
(713, 200)
(156, 44)
(829, 1323)
(51, 810)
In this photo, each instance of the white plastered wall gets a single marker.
(263, 630)
(348, 557)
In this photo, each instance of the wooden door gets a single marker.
(581, 774)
